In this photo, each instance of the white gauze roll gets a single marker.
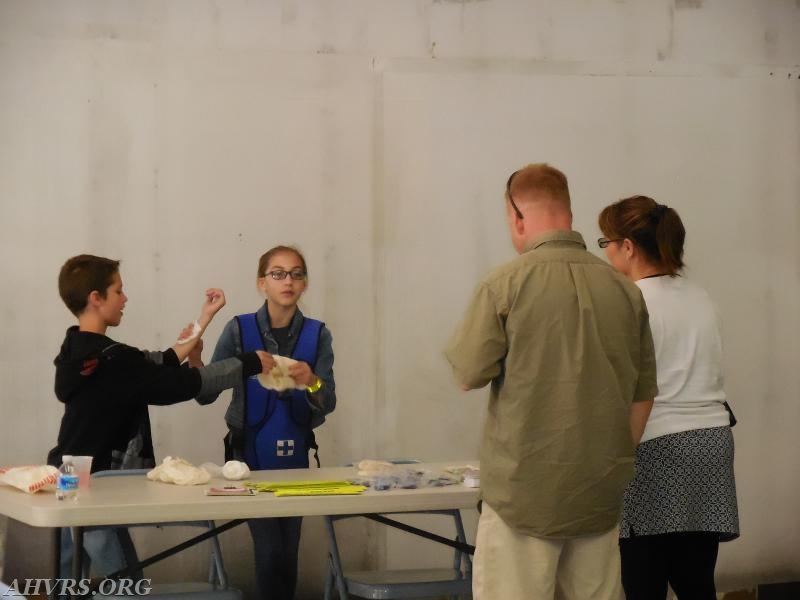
(278, 378)
(235, 470)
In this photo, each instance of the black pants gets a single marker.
(683, 560)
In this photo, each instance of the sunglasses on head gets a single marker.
(510, 198)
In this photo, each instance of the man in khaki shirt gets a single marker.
(566, 344)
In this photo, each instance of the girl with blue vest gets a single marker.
(274, 430)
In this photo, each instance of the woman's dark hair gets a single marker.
(655, 228)
(263, 262)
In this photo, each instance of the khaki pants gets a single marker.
(511, 566)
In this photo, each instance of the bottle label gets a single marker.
(67, 483)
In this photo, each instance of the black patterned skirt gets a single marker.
(684, 482)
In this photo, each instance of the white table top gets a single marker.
(135, 499)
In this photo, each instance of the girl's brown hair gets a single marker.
(655, 228)
(263, 262)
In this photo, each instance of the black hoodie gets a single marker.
(106, 387)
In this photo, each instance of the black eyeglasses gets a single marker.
(604, 242)
(510, 198)
(280, 274)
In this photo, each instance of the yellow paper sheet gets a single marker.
(273, 486)
(340, 490)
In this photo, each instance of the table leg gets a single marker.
(56, 533)
(77, 554)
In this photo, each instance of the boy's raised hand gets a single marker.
(215, 299)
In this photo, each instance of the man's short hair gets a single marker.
(541, 179)
(81, 275)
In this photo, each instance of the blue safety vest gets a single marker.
(277, 424)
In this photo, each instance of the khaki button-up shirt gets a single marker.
(565, 342)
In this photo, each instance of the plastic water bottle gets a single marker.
(67, 483)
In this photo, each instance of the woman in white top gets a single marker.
(682, 502)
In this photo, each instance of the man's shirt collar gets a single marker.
(558, 237)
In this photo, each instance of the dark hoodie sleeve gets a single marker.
(142, 380)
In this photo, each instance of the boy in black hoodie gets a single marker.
(106, 386)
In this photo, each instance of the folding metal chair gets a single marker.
(400, 583)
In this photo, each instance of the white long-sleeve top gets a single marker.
(688, 345)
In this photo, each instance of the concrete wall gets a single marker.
(185, 138)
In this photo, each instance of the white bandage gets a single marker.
(278, 378)
(179, 471)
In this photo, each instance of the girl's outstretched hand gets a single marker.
(195, 355)
(267, 362)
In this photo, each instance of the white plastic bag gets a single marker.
(29, 479)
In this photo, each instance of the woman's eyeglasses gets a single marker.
(604, 242)
(280, 274)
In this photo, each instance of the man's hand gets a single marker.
(267, 362)
(639, 413)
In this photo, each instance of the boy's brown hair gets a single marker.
(83, 274)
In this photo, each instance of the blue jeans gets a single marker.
(108, 550)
